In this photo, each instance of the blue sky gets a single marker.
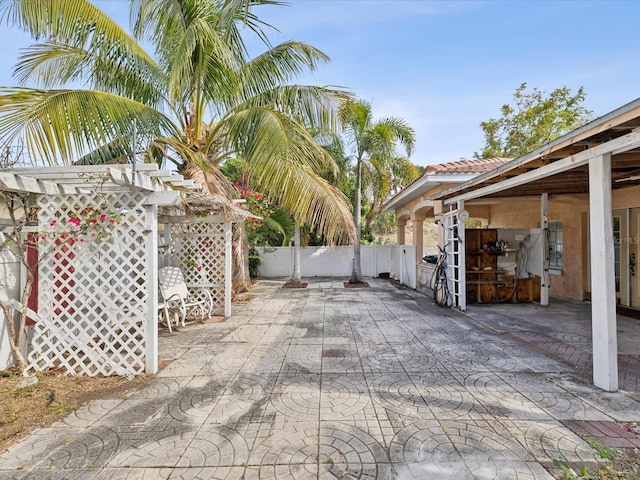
(445, 66)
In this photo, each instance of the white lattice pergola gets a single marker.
(97, 231)
(199, 246)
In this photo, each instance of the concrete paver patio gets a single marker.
(328, 382)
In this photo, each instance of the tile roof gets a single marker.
(461, 167)
(467, 166)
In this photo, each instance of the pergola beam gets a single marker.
(84, 169)
(131, 179)
(28, 184)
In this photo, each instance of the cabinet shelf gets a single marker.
(488, 271)
(495, 252)
(482, 272)
(494, 284)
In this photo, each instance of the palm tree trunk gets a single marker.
(368, 219)
(295, 278)
(356, 273)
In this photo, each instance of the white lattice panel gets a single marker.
(199, 250)
(93, 284)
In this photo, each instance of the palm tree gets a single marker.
(371, 142)
(381, 178)
(200, 67)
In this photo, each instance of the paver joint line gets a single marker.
(327, 382)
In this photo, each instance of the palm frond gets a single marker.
(281, 222)
(113, 152)
(235, 13)
(76, 23)
(279, 65)
(282, 158)
(189, 46)
(263, 133)
(65, 124)
(212, 179)
(54, 64)
(401, 132)
(314, 107)
(356, 117)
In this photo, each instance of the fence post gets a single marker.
(151, 340)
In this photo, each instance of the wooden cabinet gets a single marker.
(483, 277)
(485, 282)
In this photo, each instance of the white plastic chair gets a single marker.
(167, 315)
(176, 296)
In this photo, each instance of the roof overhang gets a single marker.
(423, 186)
(536, 172)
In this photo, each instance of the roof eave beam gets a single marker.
(619, 145)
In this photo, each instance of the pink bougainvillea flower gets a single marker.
(199, 268)
(103, 217)
(53, 222)
(112, 221)
(75, 221)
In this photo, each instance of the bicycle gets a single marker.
(439, 282)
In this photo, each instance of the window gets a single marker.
(555, 245)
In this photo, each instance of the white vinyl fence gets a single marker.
(396, 260)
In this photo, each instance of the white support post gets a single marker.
(228, 240)
(461, 283)
(544, 228)
(603, 290)
(151, 343)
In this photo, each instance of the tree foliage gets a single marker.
(380, 180)
(197, 99)
(533, 119)
(271, 226)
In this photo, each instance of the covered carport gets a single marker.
(598, 161)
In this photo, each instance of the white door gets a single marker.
(631, 255)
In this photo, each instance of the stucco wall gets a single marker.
(626, 198)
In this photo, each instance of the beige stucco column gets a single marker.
(418, 235)
(400, 235)
(438, 208)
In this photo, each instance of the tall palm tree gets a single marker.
(370, 142)
(197, 100)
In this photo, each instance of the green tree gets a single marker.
(380, 179)
(371, 142)
(200, 67)
(533, 120)
(272, 226)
